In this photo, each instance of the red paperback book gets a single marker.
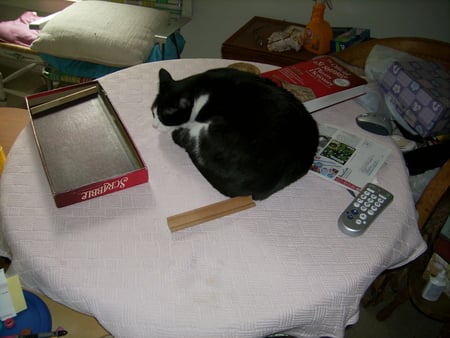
(319, 83)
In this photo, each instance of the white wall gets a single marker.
(10, 9)
(216, 20)
(43, 7)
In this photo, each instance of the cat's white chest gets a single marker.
(195, 127)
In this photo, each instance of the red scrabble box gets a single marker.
(85, 149)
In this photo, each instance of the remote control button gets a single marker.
(374, 208)
(371, 212)
(356, 205)
(363, 216)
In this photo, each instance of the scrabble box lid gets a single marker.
(85, 149)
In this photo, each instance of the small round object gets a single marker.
(9, 323)
(26, 332)
(341, 82)
(245, 67)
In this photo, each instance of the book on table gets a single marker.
(319, 83)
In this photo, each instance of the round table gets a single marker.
(282, 265)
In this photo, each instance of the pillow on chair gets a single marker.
(102, 32)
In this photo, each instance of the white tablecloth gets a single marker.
(283, 265)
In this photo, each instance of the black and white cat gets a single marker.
(246, 135)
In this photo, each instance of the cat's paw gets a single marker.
(156, 123)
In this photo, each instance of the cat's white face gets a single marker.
(157, 124)
(197, 106)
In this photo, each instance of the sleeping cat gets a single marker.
(246, 135)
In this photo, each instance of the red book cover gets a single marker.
(319, 83)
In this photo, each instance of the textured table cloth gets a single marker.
(283, 265)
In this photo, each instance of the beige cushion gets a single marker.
(102, 32)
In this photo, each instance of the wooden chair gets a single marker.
(437, 190)
(436, 196)
(180, 12)
(428, 49)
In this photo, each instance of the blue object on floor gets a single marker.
(36, 317)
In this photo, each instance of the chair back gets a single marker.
(427, 49)
(433, 194)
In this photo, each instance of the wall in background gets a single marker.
(10, 9)
(215, 20)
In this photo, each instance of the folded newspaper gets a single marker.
(346, 158)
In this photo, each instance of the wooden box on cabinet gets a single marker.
(249, 43)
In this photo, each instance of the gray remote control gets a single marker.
(362, 211)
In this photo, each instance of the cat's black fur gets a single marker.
(257, 137)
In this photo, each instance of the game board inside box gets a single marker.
(85, 149)
(420, 91)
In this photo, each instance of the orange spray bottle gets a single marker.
(318, 32)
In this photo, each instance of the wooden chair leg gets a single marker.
(381, 288)
(388, 283)
(445, 331)
(375, 292)
(401, 287)
(401, 297)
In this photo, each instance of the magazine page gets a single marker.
(346, 158)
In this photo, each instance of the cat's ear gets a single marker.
(164, 76)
